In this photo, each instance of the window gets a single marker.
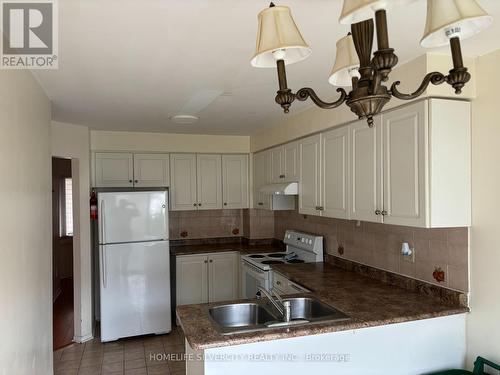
(67, 208)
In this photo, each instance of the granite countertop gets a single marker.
(367, 301)
(222, 247)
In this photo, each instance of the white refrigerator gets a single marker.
(134, 264)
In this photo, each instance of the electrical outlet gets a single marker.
(409, 258)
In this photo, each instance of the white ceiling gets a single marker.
(130, 65)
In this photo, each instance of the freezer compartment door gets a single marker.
(133, 216)
(135, 289)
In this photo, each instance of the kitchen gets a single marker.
(226, 236)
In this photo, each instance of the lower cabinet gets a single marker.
(206, 278)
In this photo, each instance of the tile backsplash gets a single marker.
(206, 224)
(438, 252)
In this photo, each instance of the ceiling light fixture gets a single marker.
(280, 43)
(184, 119)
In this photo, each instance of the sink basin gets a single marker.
(311, 309)
(257, 316)
(240, 315)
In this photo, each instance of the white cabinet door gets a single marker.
(277, 170)
(235, 181)
(403, 140)
(365, 186)
(310, 169)
(191, 279)
(209, 181)
(262, 176)
(291, 162)
(335, 173)
(114, 169)
(151, 170)
(223, 276)
(183, 182)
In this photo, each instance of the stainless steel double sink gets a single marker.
(257, 316)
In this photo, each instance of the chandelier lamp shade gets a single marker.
(280, 43)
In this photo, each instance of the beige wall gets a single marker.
(315, 119)
(156, 142)
(73, 141)
(483, 337)
(25, 226)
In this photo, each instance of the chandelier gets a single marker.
(280, 43)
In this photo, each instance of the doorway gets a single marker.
(62, 252)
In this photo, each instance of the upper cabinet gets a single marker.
(235, 181)
(261, 177)
(404, 166)
(183, 182)
(335, 173)
(310, 179)
(113, 169)
(151, 170)
(285, 163)
(413, 167)
(208, 181)
(365, 171)
(324, 166)
(122, 169)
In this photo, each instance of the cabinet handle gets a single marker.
(195, 204)
(225, 204)
(282, 176)
(211, 261)
(260, 204)
(378, 212)
(320, 208)
(199, 204)
(384, 213)
(130, 181)
(136, 181)
(206, 261)
(278, 282)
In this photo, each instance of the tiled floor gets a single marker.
(147, 355)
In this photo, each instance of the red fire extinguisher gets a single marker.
(93, 205)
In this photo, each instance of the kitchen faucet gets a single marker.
(283, 307)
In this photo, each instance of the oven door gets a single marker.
(251, 278)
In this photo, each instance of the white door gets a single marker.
(209, 181)
(135, 289)
(310, 169)
(277, 170)
(132, 216)
(223, 277)
(151, 170)
(235, 181)
(335, 173)
(183, 182)
(403, 139)
(291, 162)
(365, 171)
(191, 279)
(262, 176)
(114, 169)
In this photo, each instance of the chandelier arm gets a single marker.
(436, 78)
(307, 92)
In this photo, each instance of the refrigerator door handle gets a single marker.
(103, 240)
(103, 266)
